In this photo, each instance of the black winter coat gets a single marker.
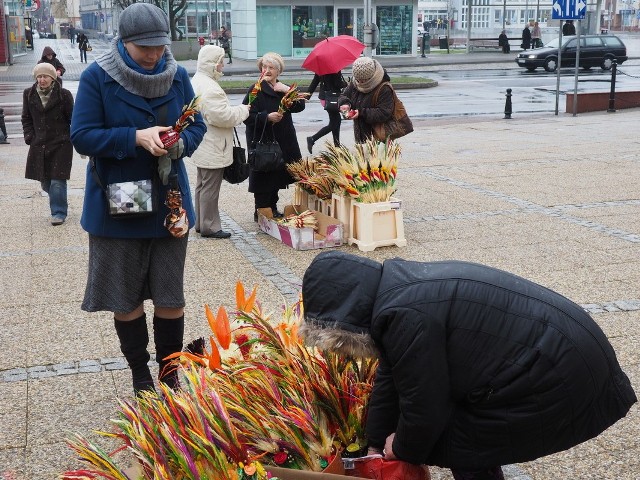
(478, 367)
(57, 64)
(283, 131)
(368, 113)
(46, 131)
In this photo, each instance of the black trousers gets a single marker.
(266, 199)
(334, 127)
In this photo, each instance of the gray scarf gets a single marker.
(147, 86)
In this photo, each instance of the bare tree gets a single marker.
(177, 9)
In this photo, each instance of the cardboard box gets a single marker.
(134, 473)
(330, 231)
(289, 474)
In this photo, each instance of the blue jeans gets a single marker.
(57, 190)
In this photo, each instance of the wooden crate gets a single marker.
(341, 210)
(373, 225)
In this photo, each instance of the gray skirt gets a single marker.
(124, 272)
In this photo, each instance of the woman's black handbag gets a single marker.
(265, 155)
(331, 101)
(238, 171)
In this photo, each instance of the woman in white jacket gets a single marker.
(216, 150)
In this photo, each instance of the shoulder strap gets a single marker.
(236, 140)
(94, 173)
(376, 94)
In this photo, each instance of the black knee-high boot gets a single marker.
(134, 338)
(168, 335)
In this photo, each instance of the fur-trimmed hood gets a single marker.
(338, 293)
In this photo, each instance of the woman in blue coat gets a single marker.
(478, 367)
(125, 100)
(264, 114)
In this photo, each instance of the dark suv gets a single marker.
(595, 51)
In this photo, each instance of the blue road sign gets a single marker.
(568, 9)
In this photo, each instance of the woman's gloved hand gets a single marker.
(164, 161)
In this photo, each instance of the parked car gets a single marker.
(595, 51)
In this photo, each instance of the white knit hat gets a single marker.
(367, 73)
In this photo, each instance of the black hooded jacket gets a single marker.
(478, 367)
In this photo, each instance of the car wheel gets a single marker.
(607, 62)
(531, 69)
(550, 64)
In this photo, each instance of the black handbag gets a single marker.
(238, 171)
(331, 101)
(265, 155)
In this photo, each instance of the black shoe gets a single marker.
(218, 234)
(310, 143)
(255, 216)
(276, 213)
(4, 142)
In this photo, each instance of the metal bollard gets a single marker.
(507, 105)
(612, 93)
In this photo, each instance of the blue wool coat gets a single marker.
(104, 124)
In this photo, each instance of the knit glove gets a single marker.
(164, 162)
(164, 168)
(176, 150)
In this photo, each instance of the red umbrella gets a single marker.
(333, 54)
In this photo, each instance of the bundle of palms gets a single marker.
(368, 174)
(273, 400)
(186, 435)
(311, 177)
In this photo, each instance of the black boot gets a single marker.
(168, 335)
(134, 338)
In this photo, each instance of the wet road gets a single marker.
(463, 91)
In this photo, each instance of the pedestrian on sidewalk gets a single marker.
(526, 38)
(357, 101)
(46, 118)
(3, 128)
(216, 150)
(536, 36)
(225, 42)
(83, 46)
(477, 367)
(72, 35)
(503, 41)
(331, 87)
(126, 99)
(49, 56)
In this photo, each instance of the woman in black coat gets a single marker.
(333, 83)
(366, 100)
(478, 367)
(526, 38)
(263, 114)
(46, 122)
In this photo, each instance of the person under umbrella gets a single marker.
(330, 84)
(478, 367)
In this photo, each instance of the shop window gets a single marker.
(310, 25)
(274, 30)
(395, 26)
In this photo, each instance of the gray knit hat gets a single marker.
(144, 24)
(367, 73)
